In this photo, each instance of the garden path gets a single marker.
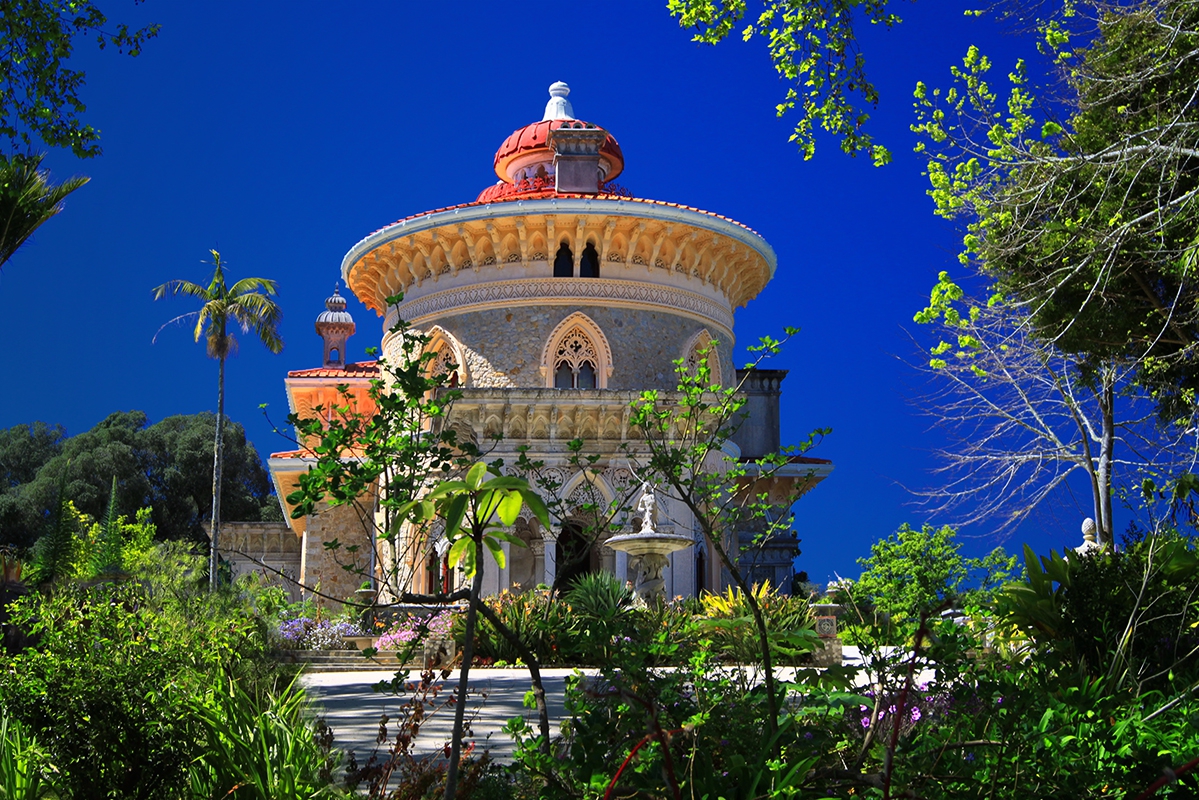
(352, 708)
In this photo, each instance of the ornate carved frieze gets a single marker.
(559, 291)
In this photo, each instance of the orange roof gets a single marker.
(294, 454)
(360, 369)
(536, 137)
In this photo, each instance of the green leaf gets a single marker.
(475, 476)
(535, 504)
(510, 508)
(459, 549)
(497, 550)
(455, 511)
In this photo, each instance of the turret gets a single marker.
(334, 326)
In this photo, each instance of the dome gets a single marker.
(530, 146)
(335, 312)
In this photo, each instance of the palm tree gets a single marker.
(248, 304)
(27, 199)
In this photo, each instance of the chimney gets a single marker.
(576, 147)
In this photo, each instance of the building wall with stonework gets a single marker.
(551, 302)
(270, 550)
(324, 569)
(504, 346)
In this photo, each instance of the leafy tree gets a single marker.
(178, 453)
(25, 449)
(39, 93)
(813, 46)
(912, 572)
(1023, 416)
(247, 304)
(163, 466)
(1087, 221)
(684, 449)
(27, 200)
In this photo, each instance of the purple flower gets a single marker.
(916, 715)
(865, 722)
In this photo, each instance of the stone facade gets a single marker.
(504, 347)
(335, 574)
(269, 549)
(551, 308)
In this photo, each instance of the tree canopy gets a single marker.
(813, 47)
(1086, 216)
(166, 466)
(39, 94)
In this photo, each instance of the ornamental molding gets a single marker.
(563, 291)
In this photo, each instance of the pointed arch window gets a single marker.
(589, 262)
(447, 357)
(564, 262)
(576, 355)
(574, 361)
(702, 349)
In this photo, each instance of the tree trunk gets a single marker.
(534, 665)
(218, 453)
(1107, 406)
(468, 654)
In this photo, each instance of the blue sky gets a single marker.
(282, 133)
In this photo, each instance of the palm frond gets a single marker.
(247, 285)
(186, 288)
(27, 200)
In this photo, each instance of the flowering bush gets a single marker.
(301, 633)
(412, 629)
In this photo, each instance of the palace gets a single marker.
(555, 298)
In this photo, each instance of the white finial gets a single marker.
(1088, 537)
(558, 107)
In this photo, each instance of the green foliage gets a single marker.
(1128, 617)
(40, 92)
(1087, 217)
(813, 47)
(728, 620)
(116, 666)
(22, 776)
(102, 693)
(260, 745)
(166, 466)
(913, 573)
(27, 198)
(55, 554)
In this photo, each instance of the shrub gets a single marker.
(260, 745)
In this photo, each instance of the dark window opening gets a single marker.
(701, 573)
(572, 556)
(564, 263)
(333, 355)
(564, 378)
(589, 263)
(585, 379)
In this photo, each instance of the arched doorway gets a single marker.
(574, 556)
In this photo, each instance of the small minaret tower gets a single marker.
(334, 326)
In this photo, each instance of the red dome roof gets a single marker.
(536, 137)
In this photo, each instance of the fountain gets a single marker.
(651, 549)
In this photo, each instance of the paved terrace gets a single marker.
(352, 708)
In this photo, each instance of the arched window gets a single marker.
(574, 556)
(589, 262)
(576, 355)
(702, 349)
(574, 361)
(564, 263)
(333, 355)
(447, 357)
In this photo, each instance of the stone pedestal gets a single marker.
(830, 653)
